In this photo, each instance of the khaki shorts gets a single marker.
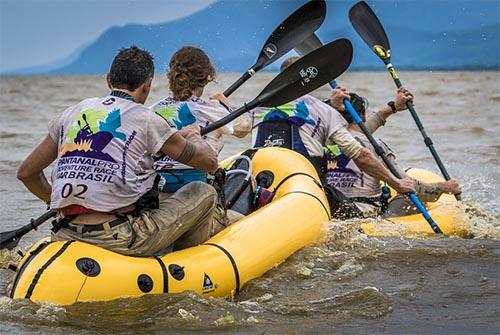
(186, 218)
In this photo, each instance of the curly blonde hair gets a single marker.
(189, 68)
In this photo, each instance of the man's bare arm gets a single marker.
(30, 172)
(368, 163)
(188, 147)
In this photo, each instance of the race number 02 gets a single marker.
(80, 189)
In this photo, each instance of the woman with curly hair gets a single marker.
(190, 70)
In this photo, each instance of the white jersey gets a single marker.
(105, 153)
(319, 120)
(347, 177)
(179, 114)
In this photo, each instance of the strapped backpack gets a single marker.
(279, 130)
(238, 189)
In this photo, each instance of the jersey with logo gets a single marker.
(346, 176)
(179, 114)
(105, 153)
(317, 121)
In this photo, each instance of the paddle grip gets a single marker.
(389, 165)
(427, 140)
(244, 77)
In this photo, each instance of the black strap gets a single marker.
(24, 265)
(233, 263)
(149, 200)
(87, 228)
(44, 267)
(60, 223)
(297, 174)
(164, 274)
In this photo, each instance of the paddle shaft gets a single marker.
(10, 239)
(293, 30)
(228, 118)
(244, 77)
(427, 140)
(380, 152)
(34, 223)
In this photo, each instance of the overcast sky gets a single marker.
(35, 32)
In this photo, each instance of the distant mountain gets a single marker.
(49, 67)
(426, 35)
(231, 32)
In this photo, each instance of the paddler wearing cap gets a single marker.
(361, 194)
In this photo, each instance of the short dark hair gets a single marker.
(131, 68)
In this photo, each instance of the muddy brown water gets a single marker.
(350, 283)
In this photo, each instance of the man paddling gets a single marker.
(364, 191)
(103, 181)
(306, 125)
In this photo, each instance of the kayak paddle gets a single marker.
(10, 239)
(300, 24)
(305, 75)
(368, 26)
(309, 45)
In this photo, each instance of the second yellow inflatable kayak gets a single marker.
(447, 212)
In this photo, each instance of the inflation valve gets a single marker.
(88, 266)
(145, 283)
(176, 271)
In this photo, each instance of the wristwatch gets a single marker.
(392, 104)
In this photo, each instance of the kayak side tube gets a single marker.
(66, 272)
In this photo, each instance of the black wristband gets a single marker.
(392, 104)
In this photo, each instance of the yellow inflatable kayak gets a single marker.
(447, 212)
(69, 272)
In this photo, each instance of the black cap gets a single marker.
(359, 103)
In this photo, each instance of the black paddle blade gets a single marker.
(311, 43)
(9, 240)
(314, 70)
(298, 26)
(368, 26)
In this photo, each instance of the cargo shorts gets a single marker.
(184, 219)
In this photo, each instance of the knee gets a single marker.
(201, 189)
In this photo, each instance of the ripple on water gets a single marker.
(5, 135)
(430, 93)
(477, 130)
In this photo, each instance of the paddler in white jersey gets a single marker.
(190, 70)
(306, 125)
(103, 181)
(364, 191)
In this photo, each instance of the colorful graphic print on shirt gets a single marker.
(82, 155)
